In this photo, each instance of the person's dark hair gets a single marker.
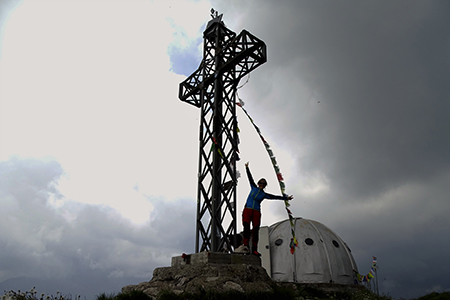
(263, 181)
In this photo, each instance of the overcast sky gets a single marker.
(98, 156)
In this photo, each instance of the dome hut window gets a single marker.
(309, 242)
(278, 242)
(335, 244)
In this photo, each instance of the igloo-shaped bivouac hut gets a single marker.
(321, 257)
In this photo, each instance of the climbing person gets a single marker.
(252, 212)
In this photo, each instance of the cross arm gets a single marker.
(189, 89)
(245, 53)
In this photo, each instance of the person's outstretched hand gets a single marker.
(246, 164)
(290, 197)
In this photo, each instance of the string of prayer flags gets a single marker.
(291, 220)
(233, 161)
(227, 185)
(214, 145)
(280, 177)
(370, 275)
(235, 158)
(294, 243)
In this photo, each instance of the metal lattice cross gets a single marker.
(227, 58)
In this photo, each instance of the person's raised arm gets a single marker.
(249, 175)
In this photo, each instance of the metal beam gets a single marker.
(227, 58)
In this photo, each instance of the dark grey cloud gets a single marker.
(380, 72)
(358, 93)
(407, 230)
(82, 248)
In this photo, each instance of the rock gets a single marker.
(182, 281)
(152, 292)
(205, 276)
(229, 285)
(209, 279)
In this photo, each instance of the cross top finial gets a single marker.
(214, 13)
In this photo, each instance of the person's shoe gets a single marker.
(242, 249)
(256, 253)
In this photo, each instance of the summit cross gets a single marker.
(227, 58)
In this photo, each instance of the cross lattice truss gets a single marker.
(227, 58)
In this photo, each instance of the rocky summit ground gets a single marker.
(193, 278)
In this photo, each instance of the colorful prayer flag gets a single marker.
(294, 242)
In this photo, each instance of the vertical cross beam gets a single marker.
(227, 58)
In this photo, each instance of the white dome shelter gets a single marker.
(321, 256)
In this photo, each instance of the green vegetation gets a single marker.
(133, 295)
(32, 295)
(436, 296)
(278, 293)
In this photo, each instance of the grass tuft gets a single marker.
(279, 292)
(133, 295)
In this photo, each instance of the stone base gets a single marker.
(219, 272)
(215, 258)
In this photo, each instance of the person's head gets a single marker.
(262, 183)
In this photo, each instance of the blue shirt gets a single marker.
(257, 195)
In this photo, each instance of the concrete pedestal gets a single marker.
(208, 271)
(215, 258)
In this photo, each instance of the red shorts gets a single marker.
(251, 216)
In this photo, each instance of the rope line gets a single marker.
(294, 242)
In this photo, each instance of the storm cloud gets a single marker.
(98, 157)
(48, 237)
(358, 94)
